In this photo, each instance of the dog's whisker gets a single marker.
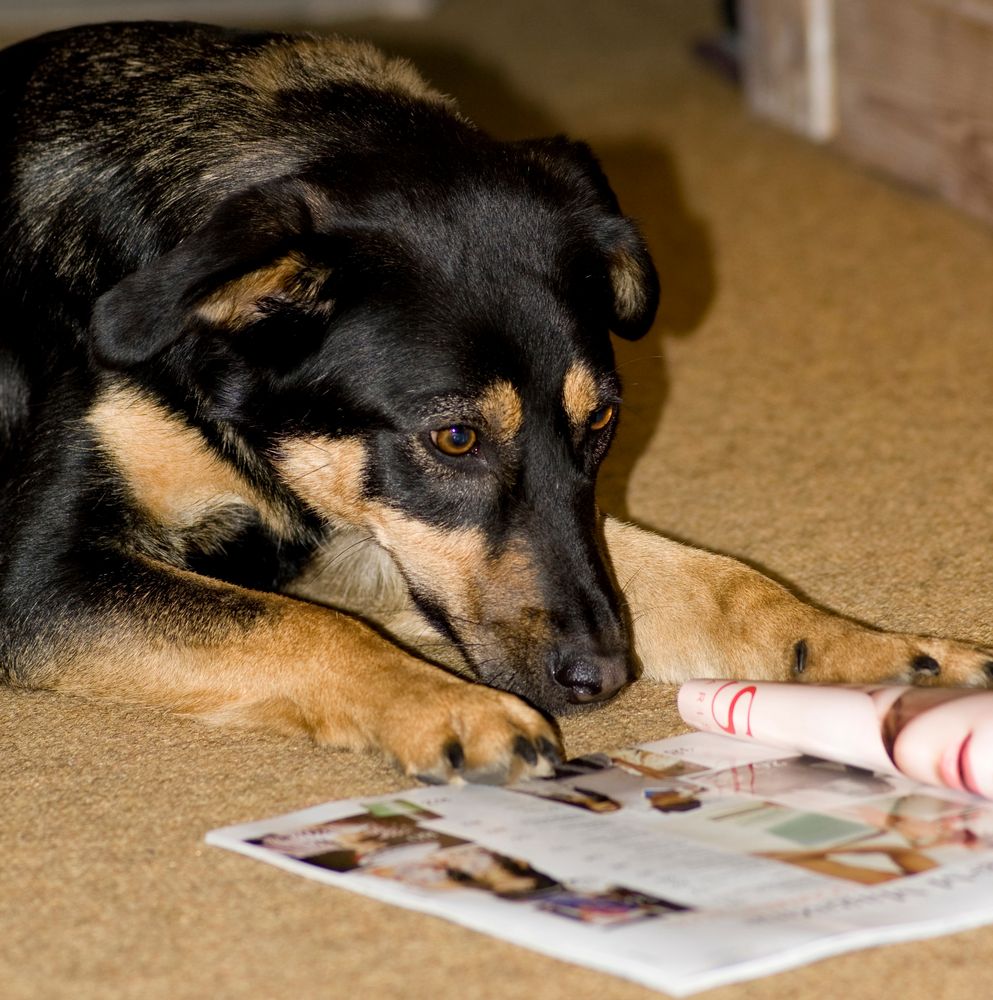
(330, 560)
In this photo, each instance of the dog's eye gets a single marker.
(600, 418)
(455, 440)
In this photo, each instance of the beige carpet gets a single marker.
(817, 399)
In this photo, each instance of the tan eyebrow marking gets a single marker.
(580, 395)
(500, 407)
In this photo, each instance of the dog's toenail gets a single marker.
(924, 664)
(800, 657)
(549, 750)
(429, 779)
(524, 748)
(455, 755)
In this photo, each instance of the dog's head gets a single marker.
(425, 355)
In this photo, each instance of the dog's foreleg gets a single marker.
(697, 614)
(202, 647)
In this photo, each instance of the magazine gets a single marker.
(940, 736)
(683, 864)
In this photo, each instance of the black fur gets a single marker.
(147, 168)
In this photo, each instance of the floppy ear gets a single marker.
(250, 259)
(633, 279)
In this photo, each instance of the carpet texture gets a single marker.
(816, 398)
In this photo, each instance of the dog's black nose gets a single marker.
(588, 676)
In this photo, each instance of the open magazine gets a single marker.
(683, 864)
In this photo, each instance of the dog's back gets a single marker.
(120, 139)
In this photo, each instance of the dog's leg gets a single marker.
(234, 656)
(696, 614)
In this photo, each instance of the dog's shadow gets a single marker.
(646, 180)
(645, 177)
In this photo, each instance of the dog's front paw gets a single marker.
(946, 662)
(474, 733)
(854, 655)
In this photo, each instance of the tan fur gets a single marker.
(326, 473)
(493, 596)
(446, 563)
(697, 614)
(240, 302)
(169, 468)
(453, 565)
(354, 571)
(304, 668)
(500, 407)
(440, 561)
(580, 394)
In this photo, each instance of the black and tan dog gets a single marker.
(284, 338)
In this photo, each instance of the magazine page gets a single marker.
(940, 736)
(683, 864)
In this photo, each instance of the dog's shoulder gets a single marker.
(186, 496)
(170, 469)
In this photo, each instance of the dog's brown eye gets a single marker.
(455, 440)
(600, 418)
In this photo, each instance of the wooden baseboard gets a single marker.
(789, 64)
(905, 86)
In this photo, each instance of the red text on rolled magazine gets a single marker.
(683, 864)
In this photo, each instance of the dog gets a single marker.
(304, 385)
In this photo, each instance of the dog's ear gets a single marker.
(633, 279)
(254, 256)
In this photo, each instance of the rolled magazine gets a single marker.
(940, 736)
